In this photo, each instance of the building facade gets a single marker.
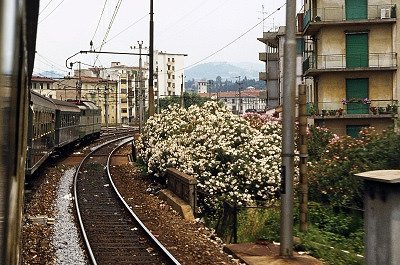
(273, 58)
(241, 101)
(351, 57)
(170, 75)
(43, 86)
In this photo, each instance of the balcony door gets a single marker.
(356, 92)
(356, 9)
(356, 50)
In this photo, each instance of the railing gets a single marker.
(353, 107)
(342, 61)
(332, 14)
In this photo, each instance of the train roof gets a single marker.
(85, 104)
(65, 106)
(38, 99)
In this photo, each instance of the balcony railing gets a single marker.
(353, 107)
(342, 61)
(334, 14)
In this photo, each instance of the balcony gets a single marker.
(353, 108)
(314, 65)
(315, 19)
(267, 56)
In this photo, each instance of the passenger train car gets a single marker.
(54, 124)
(18, 21)
(31, 126)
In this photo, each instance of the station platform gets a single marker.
(267, 254)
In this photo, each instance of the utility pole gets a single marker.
(302, 146)
(141, 94)
(182, 99)
(79, 83)
(240, 94)
(106, 103)
(151, 64)
(158, 92)
(288, 119)
(116, 106)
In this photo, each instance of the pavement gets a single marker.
(267, 254)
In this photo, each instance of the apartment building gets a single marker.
(43, 86)
(351, 59)
(102, 92)
(170, 76)
(273, 58)
(240, 101)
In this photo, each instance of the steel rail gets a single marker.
(153, 238)
(85, 238)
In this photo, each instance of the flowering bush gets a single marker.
(230, 159)
(331, 172)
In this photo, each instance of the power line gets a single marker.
(134, 23)
(98, 23)
(109, 26)
(45, 7)
(236, 39)
(51, 11)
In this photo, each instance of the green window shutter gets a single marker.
(354, 130)
(356, 91)
(356, 9)
(357, 50)
(299, 46)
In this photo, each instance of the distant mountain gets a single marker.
(50, 74)
(225, 70)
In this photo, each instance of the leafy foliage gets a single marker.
(230, 159)
(189, 99)
(331, 173)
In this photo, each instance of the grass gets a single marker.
(334, 237)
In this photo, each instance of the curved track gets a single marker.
(112, 233)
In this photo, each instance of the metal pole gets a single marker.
(140, 88)
(289, 83)
(302, 145)
(116, 104)
(106, 103)
(182, 100)
(158, 92)
(151, 63)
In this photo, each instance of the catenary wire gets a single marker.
(109, 27)
(233, 41)
(45, 7)
(51, 12)
(101, 16)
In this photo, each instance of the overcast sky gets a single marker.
(196, 28)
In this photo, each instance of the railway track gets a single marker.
(111, 231)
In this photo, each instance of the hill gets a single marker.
(225, 70)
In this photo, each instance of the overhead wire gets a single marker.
(45, 7)
(50, 63)
(51, 11)
(101, 16)
(134, 23)
(109, 27)
(236, 39)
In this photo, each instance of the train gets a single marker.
(54, 124)
(31, 126)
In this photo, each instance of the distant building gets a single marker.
(240, 101)
(101, 92)
(170, 75)
(201, 87)
(43, 86)
(273, 58)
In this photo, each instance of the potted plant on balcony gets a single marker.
(374, 110)
(392, 108)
